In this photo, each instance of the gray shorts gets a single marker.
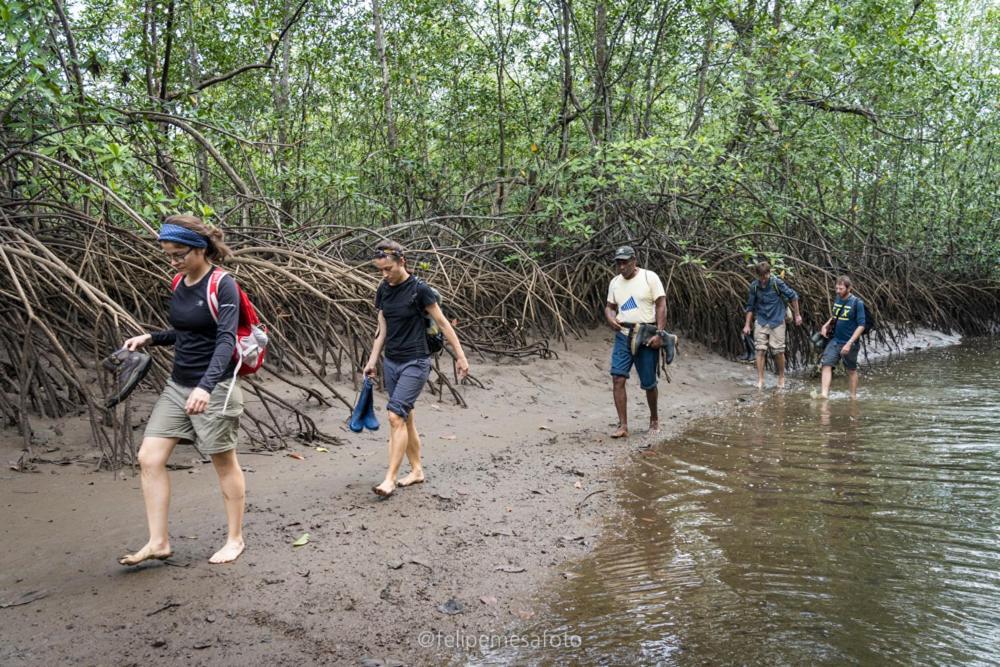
(404, 380)
(831, 355)
(211, 432)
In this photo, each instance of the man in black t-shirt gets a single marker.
(402, 302)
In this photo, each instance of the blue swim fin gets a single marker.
(357, 422)
(368, 413)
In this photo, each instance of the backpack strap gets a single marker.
(175, 283)
(418, 283)
(212, 292)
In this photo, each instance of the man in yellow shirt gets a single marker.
(635, 297)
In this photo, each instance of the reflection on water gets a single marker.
(801, 531)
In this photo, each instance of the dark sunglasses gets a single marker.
(382, 254)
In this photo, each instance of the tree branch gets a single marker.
(221, 78)
(826, 105)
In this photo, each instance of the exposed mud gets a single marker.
(517, 487)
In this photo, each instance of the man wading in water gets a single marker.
(849, 316)
(635, 297)
(766, 304)
(402, 302)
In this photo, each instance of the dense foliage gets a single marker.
(847, 121)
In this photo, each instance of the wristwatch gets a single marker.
(662, 333)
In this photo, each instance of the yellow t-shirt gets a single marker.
(636, 298)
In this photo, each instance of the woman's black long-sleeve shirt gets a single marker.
(203, 348)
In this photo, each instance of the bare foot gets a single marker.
(148, 552)
(654, 425)
(622, 432)
(229, 552)
(781, 383)
(760, 384)
(384, 489)
(415, 477)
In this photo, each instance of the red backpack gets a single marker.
(251, 334)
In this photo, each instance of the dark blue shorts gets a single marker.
(644, 361)
(831, 355)
(404, 380)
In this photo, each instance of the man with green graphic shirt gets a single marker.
(849, 320)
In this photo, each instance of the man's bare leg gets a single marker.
(153, 456)
(852, 379)
(621, 405)
(416, 475)
(234, 489)
(761, 354)
(779, 364)
(652, 396)
(398, 438)
(826, 377)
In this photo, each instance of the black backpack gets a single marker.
(870, 325)
(434, 336)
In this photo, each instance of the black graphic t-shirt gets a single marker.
(403, 307)
(203, 349)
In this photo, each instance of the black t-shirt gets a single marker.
(403, 307)
(203, 349)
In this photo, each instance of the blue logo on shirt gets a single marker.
(630, 304)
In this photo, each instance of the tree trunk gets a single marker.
(282, 93)
(501, 196)
(194, 75)
(567, 78)
(390, 121)
(602, 107)
(706, 56)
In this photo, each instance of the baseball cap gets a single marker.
(625, 252)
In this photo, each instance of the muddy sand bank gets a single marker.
(519, 485)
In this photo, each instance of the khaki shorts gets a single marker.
(773, 337)
(211, 432)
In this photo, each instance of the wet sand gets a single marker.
(518, 485)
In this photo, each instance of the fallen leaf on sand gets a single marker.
(510, 569)
(297, 456)
(302, 541)
(322, 449)
(570, 575)
(544, 428)
(488, 599)
(449, 437)
(524, 613)
(578, 485)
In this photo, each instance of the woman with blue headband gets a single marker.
(193, 407)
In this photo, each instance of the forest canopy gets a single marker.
(869, 118)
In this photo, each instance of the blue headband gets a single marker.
(182, 235)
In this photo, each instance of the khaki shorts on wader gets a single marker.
(211, 432)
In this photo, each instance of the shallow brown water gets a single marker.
(805, 532)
